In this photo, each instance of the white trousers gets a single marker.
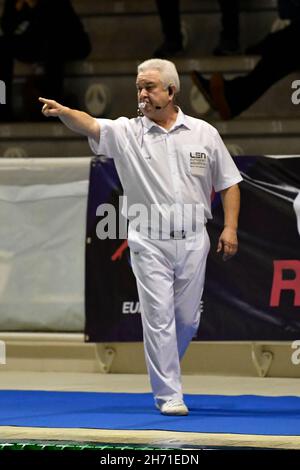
(170, 279)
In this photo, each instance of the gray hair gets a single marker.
(169, 74)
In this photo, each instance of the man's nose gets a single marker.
(143, 93)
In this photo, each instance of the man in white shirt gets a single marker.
(168, 164)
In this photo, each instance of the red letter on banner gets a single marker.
(280, 284)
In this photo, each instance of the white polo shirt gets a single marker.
(163, 168)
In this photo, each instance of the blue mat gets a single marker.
(244, 414)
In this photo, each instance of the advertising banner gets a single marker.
(253, 296)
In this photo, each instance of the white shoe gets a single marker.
(174, 408)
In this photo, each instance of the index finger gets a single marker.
(45, 100)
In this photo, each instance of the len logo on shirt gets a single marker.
(198, 161)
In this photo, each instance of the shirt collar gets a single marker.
(181, 120)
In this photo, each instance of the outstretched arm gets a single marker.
(77, 121)
(228, 239)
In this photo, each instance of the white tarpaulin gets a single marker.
(42, 254)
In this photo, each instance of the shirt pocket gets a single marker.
(196, 160)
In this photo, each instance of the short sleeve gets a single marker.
(224, 171)
(113, 138)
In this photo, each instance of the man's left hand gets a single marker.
(228, 242)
